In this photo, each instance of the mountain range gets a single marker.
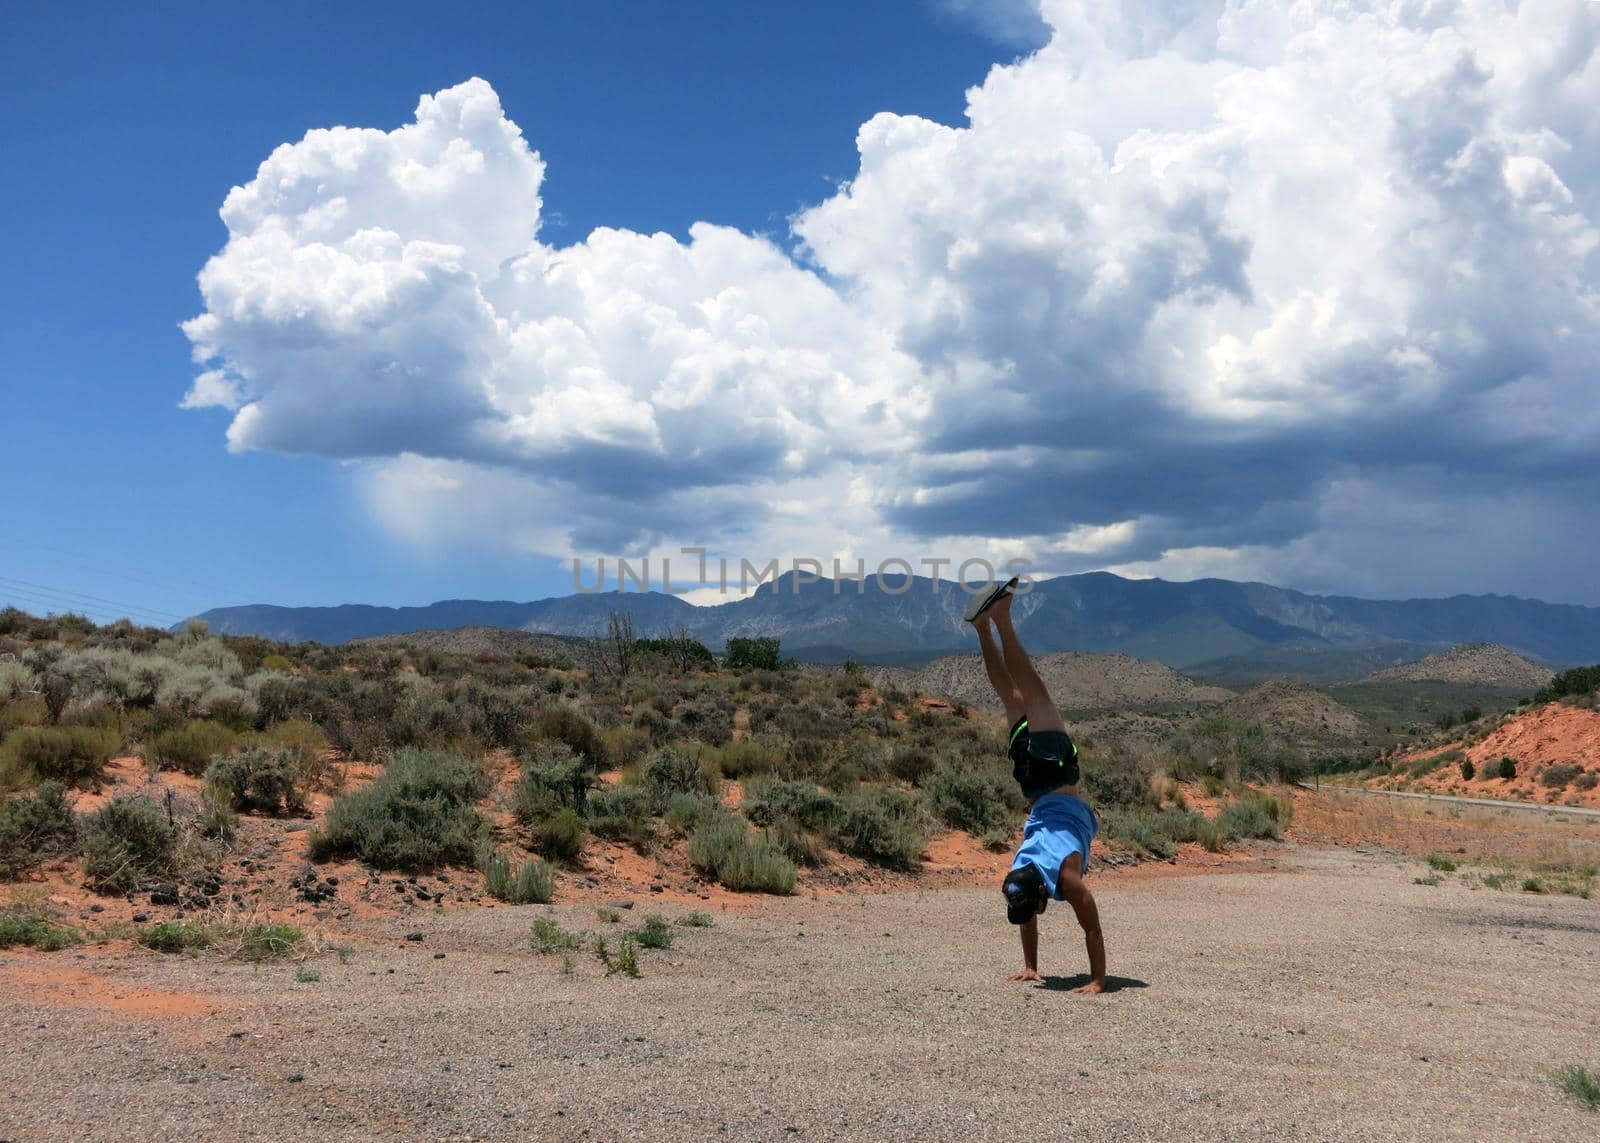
(1239, 628)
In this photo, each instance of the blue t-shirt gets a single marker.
(1058, 826)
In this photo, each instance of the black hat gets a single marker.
(1026, 895)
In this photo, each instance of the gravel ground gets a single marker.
(1336, 1000)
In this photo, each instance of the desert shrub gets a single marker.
(531, 883)
(276, 662)
(721, 849)
(982, 802)
(305, 739)
(912, 762)
(560, 836)
(199, 691)
(1507, 769)
(624, 745)
(1113, 778)
(1440, 864)
(548, 936)
(257, 779)
(553, 778)
(670, 771)
(1581, 1085)
(1153, 832)
(126, 844)
(419, 814)
(706, 720)
(768, 801)
(22, 712)
(1559, 776)
(271, 941)
(687, 812)
(16, 681)
(35, 926)
(34, 827)
(884, 826)
(1231, 748)
(752, 654)
(1577, 681)
(570, 725)
(655, 933)
(798, 844)
(748, 756)
(1468, 770)
(1251, 816)
(70, 754)
(621, 813)
(175, 936)
(191, 747)
(1586, 781)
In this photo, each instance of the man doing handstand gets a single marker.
(1054, 855)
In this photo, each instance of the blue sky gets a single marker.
(135, 123)
(1215, 320)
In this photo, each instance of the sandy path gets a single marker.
(1336, 1001)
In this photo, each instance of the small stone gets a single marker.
(413, 936)
(97, 908)
(438, 956)
(140, 918)
(296, 1077)
(624, 904)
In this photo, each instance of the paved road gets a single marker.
(1335, 1001)
(1492, 803)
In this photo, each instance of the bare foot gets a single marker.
(1093, 988)
(1027, 974)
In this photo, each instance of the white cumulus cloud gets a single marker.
(1191, 281)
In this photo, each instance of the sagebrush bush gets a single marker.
(1507, 769)
(1559, 776)
(554, 778)
(686, 812)
(568, 724)
(980, 801)
(883, 826)
(126, 844)
(258, 779)
(721, 849)
(768, 801)
(418, 815)
(191, 747)
(560, 836)
(672, 770)
(1252, 816)
(747, 756)
(34, 827)
(531, 883)
(70, 754)
(621, 813)
(35, 926)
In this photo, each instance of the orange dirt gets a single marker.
(1548, 735)
(75, 988)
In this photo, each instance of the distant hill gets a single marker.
(1180, 624)
(1078, 682)
(492, 641)
(1479, 664)
(1297, 714)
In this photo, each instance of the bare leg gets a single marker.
(994, 663)
(1042, 713)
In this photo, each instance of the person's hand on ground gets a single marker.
(1028, 974)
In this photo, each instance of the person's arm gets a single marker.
(1082, 901)
(1030, 950)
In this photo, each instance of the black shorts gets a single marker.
(1041, 760)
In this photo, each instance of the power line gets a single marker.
(59, 597)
